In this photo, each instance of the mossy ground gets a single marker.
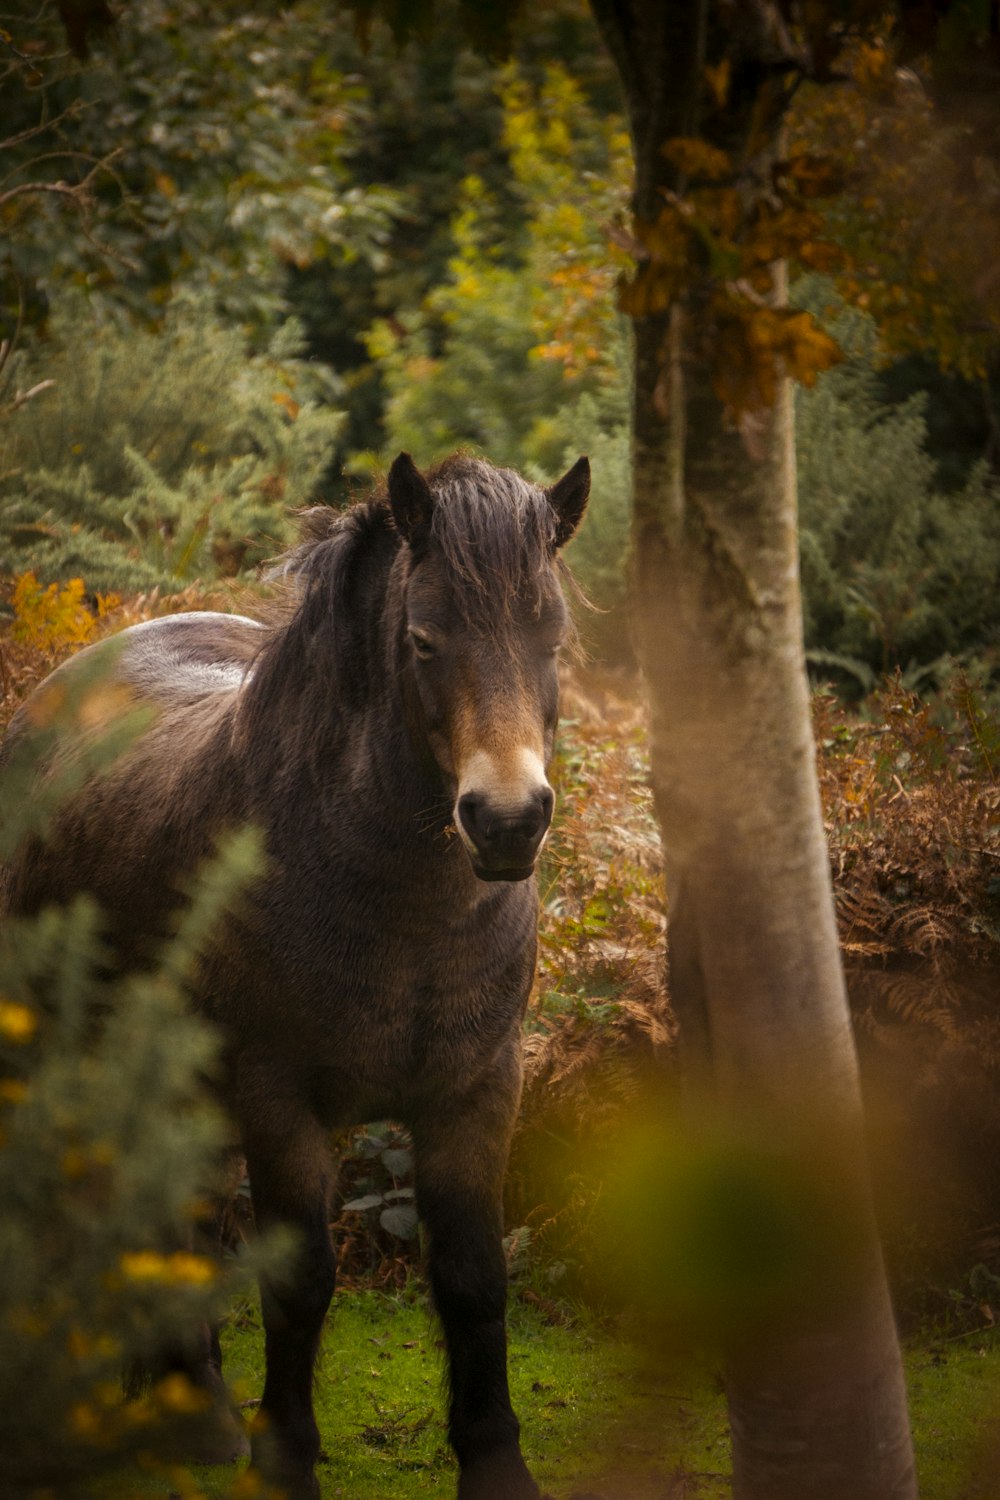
(597, 1417)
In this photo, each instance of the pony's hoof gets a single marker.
(279, 1470)
(502, 1477)
(289, 1485)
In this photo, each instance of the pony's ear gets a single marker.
(410, 500)
(568, 498)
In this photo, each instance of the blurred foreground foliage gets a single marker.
(110, 1150)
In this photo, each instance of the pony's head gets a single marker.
(484, 619)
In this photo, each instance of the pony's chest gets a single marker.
(402, 1006)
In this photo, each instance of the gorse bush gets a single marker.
(108, 1146)
(154, 458)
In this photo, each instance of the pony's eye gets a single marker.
(422, 644)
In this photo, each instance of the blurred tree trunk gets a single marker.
(819, 1413)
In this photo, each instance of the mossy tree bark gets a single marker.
(818, 1407)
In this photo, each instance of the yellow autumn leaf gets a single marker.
(287, 403)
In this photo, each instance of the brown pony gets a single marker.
(391, 739)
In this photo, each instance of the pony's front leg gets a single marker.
(461, 1157)
(291, 1179)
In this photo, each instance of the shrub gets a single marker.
(895, 571)
(108, 1145)
(151, 459)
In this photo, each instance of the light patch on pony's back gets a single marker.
(187, 653)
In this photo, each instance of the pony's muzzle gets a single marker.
(503, 840)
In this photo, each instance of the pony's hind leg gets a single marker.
(460, 1161)
(291, 1179)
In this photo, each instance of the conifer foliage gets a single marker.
(152, 459)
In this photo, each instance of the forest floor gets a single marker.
(601, 1419)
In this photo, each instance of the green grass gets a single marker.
(594, 1415)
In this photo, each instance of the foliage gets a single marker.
(155, 458)
(50, 619)
(924, 209)
(895, 572)
(108, 1145)
(911, 798)
(596, 423)
(431, 117)
(222, 136)
(717, 243)
(519, 352)
(48, 192)
(377, 1219)
(481, 389)
(516, 329)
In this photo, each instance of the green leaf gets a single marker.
(400, 1220)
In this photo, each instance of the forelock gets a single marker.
(495, 531)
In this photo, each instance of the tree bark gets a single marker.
(818, 1406)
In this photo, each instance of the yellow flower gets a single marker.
(13, 1090)
(181, 1268)
(196, 1270)
(176, 1393)
(86, 1422)
(144, 1265)
(247, 1486)
(17, 1022)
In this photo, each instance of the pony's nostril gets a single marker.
(505, 835)
(470, 807)
(491, 826)
(527, 825)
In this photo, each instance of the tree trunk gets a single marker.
(817, 1401)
